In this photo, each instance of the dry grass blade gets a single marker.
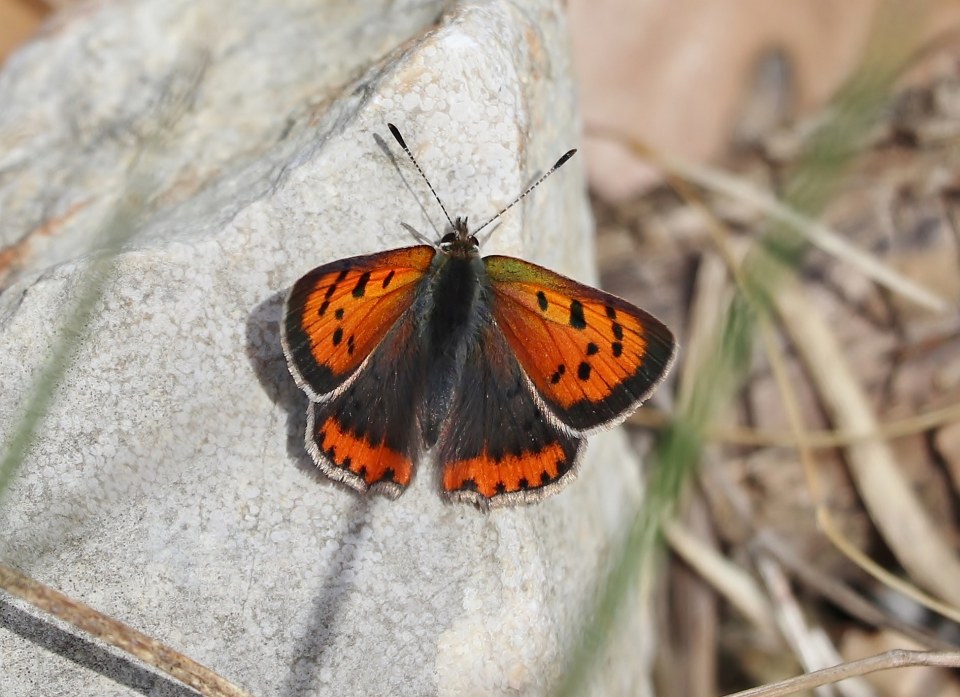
(737, 435)
(728, 579)
(898, 513)
(828, 676)
(878, 572)
(808, 641)
(809, 644)
(805, 643)
(118, 634)
(815, 232)
(840, 594)
(710, 297)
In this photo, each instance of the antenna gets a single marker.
(396, 134)
(566, 156)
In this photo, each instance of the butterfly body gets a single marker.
(453, 304)
(499, 366)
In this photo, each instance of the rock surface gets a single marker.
(234, 144)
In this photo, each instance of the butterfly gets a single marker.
(501, 366)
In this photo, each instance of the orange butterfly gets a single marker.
(503, 365)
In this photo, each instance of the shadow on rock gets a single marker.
(86, 653)
(270, 366)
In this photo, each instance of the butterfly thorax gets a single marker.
(455, 306)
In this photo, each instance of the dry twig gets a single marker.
(118, 634)
(884, 661)
(732, 582)
(899, 515)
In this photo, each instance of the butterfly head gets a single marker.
(459, 241)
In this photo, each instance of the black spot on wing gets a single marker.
(333, 286)
(542, 301)
(623, 396)
(577, 320)
(583, 371)
(360, 289)
(558, 373)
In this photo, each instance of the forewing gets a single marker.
(592, 356)
(337, 314)
(365, 434)
(498, 446)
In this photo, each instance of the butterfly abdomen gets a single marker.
(455, 310)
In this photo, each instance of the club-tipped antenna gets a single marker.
(396, 134)
(566, 156)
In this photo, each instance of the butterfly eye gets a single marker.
(473, 241)
(449, 238)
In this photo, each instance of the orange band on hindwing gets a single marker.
(512, 473)
(369, 462)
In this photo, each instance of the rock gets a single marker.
(233, 146)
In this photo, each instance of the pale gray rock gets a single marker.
(235, 145)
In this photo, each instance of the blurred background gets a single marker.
(19, 19)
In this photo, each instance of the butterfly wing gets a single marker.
(365, 435)
(337, 314)
(498, 447)
(592, 356)
(350, 345)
